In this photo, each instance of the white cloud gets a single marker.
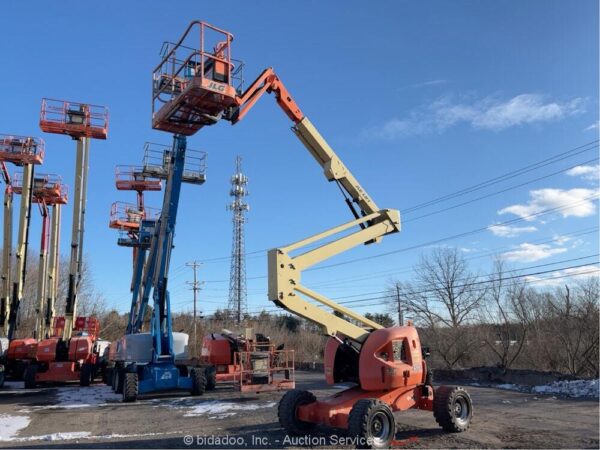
(427, 83)
(591, 173)
(526, 252)
(488, 113)
(561, 277)
(576, 202)
(593, 126)
(508, 231)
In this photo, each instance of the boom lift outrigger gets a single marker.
(386, 364)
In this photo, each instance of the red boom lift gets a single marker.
(194, 88)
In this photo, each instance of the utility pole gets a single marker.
(195, 286)
(398, 301)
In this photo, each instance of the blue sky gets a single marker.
(420, 99)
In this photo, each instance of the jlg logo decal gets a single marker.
(216, 86)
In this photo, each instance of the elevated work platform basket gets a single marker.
(157, 161)
(128, 217)
(132, 178)
(77, 120)
(141, 238)
(196, 80)
(47, 188)
(264, 370)
(21, 150)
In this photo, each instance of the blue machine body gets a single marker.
(150, 278)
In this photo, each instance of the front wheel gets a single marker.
(29, 376)
(86, 374)
(198, 381)
(287, 411)
(130, 387)
(452, 408)
(372, 423)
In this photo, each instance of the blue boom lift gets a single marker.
(148, 361)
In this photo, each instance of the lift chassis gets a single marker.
(385, 364)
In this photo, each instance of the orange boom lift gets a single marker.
(193, 87)
(25, 152)
(72, 353)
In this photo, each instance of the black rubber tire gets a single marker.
(198, 381)
(113, 381)
(2, 376)
(108, 376)
(211, 378)
(85, 374)
(29, 376)
(372, 422)
(19, 370)
(286, 412)
(119, 380)
(130, 387)
(452, 408)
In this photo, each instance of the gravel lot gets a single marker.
(94, 417)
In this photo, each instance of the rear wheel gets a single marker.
(108, 376)
(452, 408)
(29, 376)
(211, 378)
(130, 387)
(2, 376)
(372, 422)
(119, 375)
(198, 381)
(287, 411)
(85, 374)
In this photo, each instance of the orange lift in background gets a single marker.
(25, 152)
(71, 353)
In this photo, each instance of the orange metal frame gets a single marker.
(127, 216)
(21, 150)
(193, 91)
(280, 370)
(132, 178)
(47, 188)
(77, 120)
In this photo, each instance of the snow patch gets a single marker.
(218, 409)
(71, 397)
(574, 388)
(11, 425)
(509, 387)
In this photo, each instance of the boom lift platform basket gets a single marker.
(46, 188)
(128, 217)
(74, 119)
(264, 370)
(157, 159)
(21, 150)
(194, 84)
(132, 178)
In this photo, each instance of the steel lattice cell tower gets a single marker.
(237, 284)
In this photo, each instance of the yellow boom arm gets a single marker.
(285, 287)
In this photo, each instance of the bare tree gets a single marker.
(444, 300)
(505, 317)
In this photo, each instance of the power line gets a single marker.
(509, 175)
(431, 290)
(513, 173)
